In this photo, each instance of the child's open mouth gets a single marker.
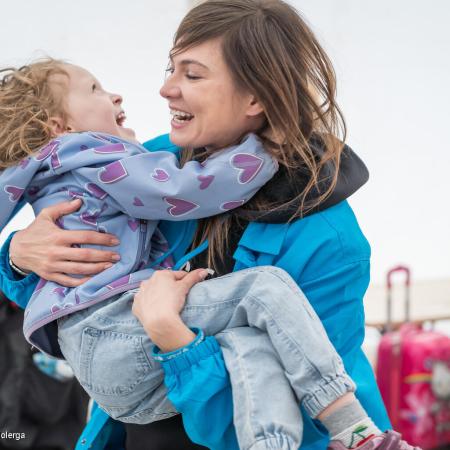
(120, 118)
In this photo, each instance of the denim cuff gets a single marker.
(327, 392)
(183, 359)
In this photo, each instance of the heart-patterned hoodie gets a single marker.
(125, 191)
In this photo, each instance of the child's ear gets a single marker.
(57, 126)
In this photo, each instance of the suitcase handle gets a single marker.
(389, 284)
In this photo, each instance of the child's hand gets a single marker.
(158, 305)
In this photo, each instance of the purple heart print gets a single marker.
(248, 166)
(123, 281)
(179, 207)
(231, 205)
(112, 148)
(112, 173)
(205, 181)
(24, 163)
(160, 175)
(137, 202)
(133, 224)
(14, 193)
(46, 151)
(96, 191)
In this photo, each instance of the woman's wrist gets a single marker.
(169, 333)
(176, 356)
(17, 269)
(14, 250)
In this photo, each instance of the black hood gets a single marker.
(282, 188)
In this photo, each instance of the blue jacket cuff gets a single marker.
(159, 356)
(183, 359)
(11, 283)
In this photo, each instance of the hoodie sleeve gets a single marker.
(153, 185)
(13, 183)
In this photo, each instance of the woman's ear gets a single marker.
(254, 108)
(57, 126)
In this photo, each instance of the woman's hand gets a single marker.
(47, 250)
(158, 305)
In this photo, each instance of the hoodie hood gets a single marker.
(282, 188)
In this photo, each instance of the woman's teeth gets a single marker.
(181, 116)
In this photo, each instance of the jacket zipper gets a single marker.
(142, 235)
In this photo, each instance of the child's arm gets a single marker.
(153, 186)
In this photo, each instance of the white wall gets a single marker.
(393, 70)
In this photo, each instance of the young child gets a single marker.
(63, 137)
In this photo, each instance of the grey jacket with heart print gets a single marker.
(125, 191)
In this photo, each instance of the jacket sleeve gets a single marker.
(16, 289)
(153, 186)
(199, 387)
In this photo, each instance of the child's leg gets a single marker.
(269, 300)
(266, 412)
(110, 354)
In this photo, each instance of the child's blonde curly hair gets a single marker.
(27, 101)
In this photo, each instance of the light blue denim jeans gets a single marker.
(274, 345)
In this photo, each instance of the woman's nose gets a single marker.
(169, 89)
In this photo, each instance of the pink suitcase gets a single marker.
(413, 374)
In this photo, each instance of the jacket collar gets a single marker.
(263, 238)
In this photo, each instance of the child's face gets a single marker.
(90, 108)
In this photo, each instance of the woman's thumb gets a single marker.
(194, 277)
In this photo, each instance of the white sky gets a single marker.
(393, 69)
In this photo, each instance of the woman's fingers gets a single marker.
(176, 274)
(51, 252)
(73, 268)
(88, 237)
(87, 255)
(192, 278)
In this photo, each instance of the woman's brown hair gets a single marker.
(272, 53)
(27, 101)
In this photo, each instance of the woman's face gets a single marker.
(206, 107)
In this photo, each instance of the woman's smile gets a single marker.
(180, 118)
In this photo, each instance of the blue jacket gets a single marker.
(329, 257)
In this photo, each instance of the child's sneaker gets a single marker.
(391, 440)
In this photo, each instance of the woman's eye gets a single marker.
(169, 71)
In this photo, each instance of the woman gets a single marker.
(300, 221)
